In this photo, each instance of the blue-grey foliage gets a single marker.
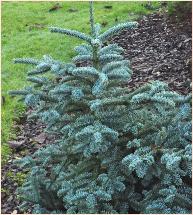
(118, 151)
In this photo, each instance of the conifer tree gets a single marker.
(118, 151)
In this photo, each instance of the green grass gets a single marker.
(21, 39)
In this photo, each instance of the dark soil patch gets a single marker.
(159, 49)
(31, 135)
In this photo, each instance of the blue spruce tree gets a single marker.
(118, 151)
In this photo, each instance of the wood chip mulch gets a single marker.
(159, 49)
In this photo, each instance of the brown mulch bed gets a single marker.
(31, 137)
(159, 49)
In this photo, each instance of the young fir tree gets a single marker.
(117, 151)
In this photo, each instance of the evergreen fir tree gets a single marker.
(118, 151)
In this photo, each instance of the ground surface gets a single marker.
(25, 34)
(31, 137)
(160, 49)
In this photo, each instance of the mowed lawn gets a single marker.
(25, 34)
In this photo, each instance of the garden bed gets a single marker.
(159, 49)
(30, 138)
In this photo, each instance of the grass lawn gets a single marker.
(25, 34)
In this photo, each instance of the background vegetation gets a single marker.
(180, 9)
